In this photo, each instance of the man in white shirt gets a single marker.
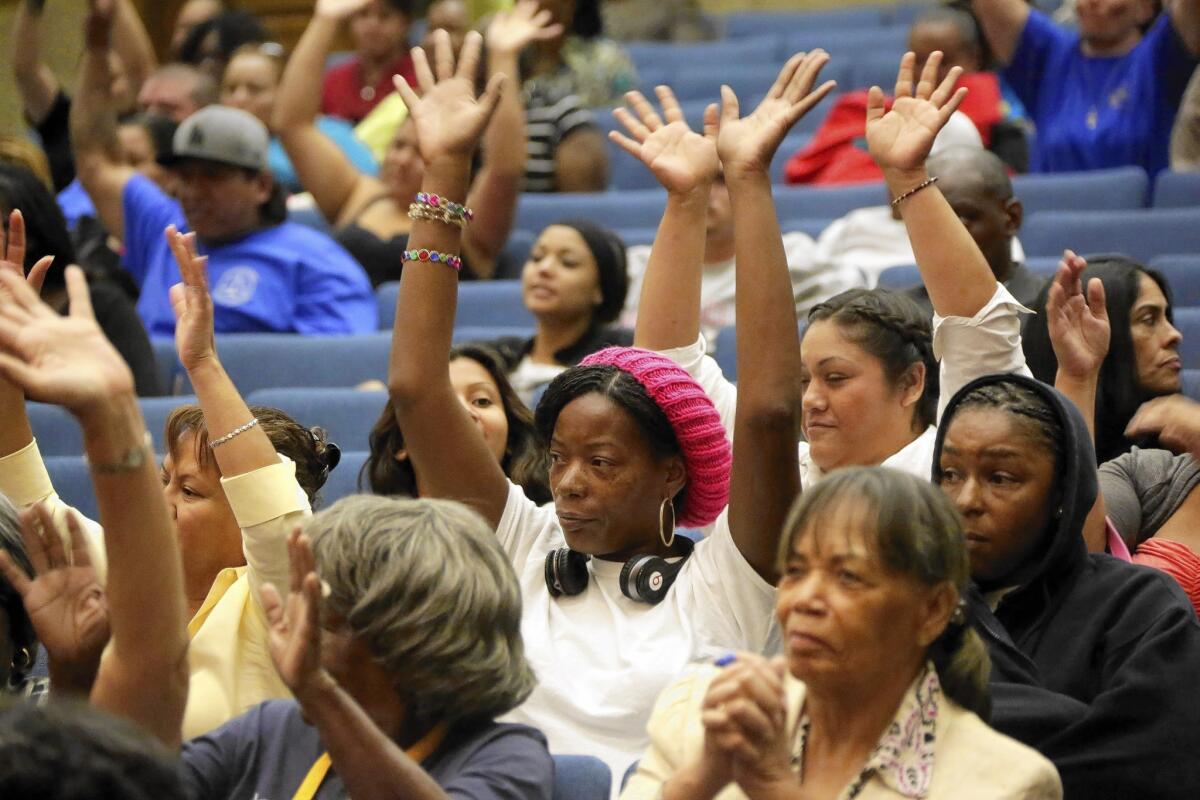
(811, 282)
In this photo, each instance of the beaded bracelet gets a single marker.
(925, 184)
(215, 443)
(418, 211)
(436, 257)
(454, 209)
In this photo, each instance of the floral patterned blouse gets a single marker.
(598, 71)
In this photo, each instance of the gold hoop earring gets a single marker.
(662, 534)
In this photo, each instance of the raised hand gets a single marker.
(191, 302)
(67, 360)
(449, 119)
(680, 158)
(98, 25)
(13, 248)
(1078, 322)
(901, 138)
(295, 627)
(526, 22)
(747, 144)
(64, 599)
(338, 9)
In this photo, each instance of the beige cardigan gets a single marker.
(971, 761)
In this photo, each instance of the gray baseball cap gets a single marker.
(222, 134)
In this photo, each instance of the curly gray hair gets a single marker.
(427, 588)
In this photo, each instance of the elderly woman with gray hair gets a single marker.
(400, 639)
(882, 683)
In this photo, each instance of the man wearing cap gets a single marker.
(265, 274)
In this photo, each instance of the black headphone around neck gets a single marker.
(644, 578)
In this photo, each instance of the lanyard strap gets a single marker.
(320, 768)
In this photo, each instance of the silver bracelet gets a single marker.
(215, 443)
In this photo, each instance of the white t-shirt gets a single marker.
(966, 348)
(530, 376)
(600, 658)
(812, 283)
(870, 240)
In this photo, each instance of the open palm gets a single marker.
(747, 144)
(1077, 319)
(64, 599)
(901, 138)
(680, 158)
(448, 118)
(191, 302)
(510, 31)
(66, 361)
(294, 636)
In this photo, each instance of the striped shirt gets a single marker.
(548, 120)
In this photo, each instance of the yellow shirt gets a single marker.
(229, 662)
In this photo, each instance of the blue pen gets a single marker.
(726, 660)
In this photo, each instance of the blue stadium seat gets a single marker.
(847, 45)
(725, 352)
(581, 778)
(626, 173)
(480, 304)
(899, 277)
(1043, 265)
(826, 202)
(613, 209)
(1177, 190)
(1101, 190)
(56, 431)
(873, 69)
(1142, 233)
(345, 414)
(1191, 383)
(267, 360)
(310, 217)
(492, 303)
(73, 483)
(677, 57)
(488, 333)
(155, 411)
(514, 255)
(703, 81)
(166, 363)
(343, 481)
(792, 144)
(1187, 320)
(1183, 276)
(759, 23)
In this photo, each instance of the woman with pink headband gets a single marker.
(615, 604)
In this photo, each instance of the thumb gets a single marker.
(272, 604)
(1096, 299)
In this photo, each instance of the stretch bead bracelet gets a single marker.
(452, 208)
(418, 211)
(215, 443)
(436, 257)
(925, 184)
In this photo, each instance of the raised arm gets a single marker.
(338, 188)
(35, 82)
(494, 191)
(15, 433)
(447, 451)
(766, 477)
(131, 42)
(369, 762)
(94, 123)
(1185, 16)
(954, 271)
(1002, 22)
(1079, 333)
(69, 362)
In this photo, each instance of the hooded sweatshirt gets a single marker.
(1095, 661)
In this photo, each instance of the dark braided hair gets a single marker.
(892, 328)
(1034, 414)
(624, 391)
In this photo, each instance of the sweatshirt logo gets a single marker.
(236, 286)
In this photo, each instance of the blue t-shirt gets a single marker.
(265, 754)
(75, 202)
(287, 278)
(1093, 113)
(337, 131)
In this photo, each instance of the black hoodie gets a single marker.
(1096, 662)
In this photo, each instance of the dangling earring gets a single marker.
(662, 530)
